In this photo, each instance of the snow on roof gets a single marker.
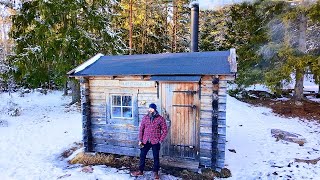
(86, 64)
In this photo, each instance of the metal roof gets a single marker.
(193, 63)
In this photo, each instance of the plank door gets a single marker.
(180, 106)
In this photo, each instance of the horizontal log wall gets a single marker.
(86, 122)
(206, 121)
(213, 121)
(118, 136)
(220, 134)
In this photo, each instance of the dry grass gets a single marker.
(69, 151)
(132, 163)
(93, 159)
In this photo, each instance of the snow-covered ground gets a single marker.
(258, 154)
(32, 143)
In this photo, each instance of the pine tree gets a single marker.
(53, 37)
(292, 53)
(239, 26)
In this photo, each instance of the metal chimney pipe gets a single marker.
(194, 26)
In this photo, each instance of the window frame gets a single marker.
(121, 106)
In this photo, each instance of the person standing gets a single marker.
(152, 132)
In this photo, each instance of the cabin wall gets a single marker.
(206, 121)
(85, 109)
(112, 135)
(213, 120)
(120, 136)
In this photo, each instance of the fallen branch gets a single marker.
(308, 161)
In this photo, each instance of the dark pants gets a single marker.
(144, 152)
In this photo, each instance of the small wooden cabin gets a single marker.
(189, 89)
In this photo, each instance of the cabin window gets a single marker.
(121, 106)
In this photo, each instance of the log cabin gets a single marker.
(190, 90)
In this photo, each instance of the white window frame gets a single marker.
(121, 106)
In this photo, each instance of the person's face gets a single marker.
(150, 110)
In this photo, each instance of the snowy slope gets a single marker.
(32, 143)
(249, 133)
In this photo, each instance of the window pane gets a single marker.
(126, 101)
(127, 112)
(116, 100)
(116, 111)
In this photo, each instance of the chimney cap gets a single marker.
(194, 4)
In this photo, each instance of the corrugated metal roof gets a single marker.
(176, 78)
(193, 63)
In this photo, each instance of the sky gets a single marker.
(212, 4)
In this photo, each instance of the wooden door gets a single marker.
(180, 107)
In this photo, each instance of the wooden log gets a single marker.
(223, 83)
(98, 114)
(222, 99)
(133, 136)
(207, 84)
(222, 130)
(205, 153)
(86, 122)
(98, 120)
(221, 121)
(98, 102)
(222, 115)
(206, 101)
(221, 146)
(97, 110)
(222, 92)
(205, 122)
(116, 142)
(100, 78)
(227, 77)
(129, 151)
(206, 139)
(115, 127)
(222, 107)
(205, 115)
(206, 91)
(219, 165)
(206, 78)
(147, 98)
(205, 161)
(97, 96)
(121, 121)
(205, 145)
(119, 150)
(205, 129)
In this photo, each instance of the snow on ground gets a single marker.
(32, 143)
(257, 152)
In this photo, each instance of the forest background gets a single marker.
(277, 42)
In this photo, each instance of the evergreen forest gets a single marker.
(277, 42)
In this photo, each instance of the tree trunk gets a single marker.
(75, 88)
(174, 28)
(298, 89)
(130, 28)
(65, 88)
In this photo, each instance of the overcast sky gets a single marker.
(211, 4)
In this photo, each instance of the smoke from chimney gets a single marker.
(194, 26)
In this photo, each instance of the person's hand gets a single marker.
(139, 143)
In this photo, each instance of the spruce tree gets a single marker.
(53, 37)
